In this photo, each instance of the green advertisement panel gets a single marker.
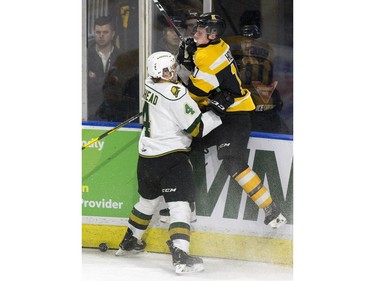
(109, 182)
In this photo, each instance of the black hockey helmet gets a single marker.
(251, 31)
(213, 23)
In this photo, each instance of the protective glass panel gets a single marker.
(112, 64)
(260, 34)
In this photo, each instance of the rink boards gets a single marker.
(229, 224)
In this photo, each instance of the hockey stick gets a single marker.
(112, 130)
(168, 19)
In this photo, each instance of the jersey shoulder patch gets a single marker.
(173, 91)
(177, 91)
(168, 90)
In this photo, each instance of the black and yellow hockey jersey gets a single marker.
(215, 68)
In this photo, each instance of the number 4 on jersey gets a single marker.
(189, 110)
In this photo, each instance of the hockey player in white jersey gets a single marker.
(170, 119)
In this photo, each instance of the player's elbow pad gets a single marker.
(210, 121)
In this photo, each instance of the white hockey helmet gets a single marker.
(157, 62)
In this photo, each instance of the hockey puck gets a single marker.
(103, 247)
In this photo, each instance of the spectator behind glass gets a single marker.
(121, 88)
(254, 59)
(100, 56)
(191, 16)
(170, 42)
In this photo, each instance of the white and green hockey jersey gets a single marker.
(170, 119)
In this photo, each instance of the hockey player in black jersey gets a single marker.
(215, 85)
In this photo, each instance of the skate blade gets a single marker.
(121, 252)
(183, 268)
(279, 221)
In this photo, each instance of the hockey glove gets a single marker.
(191, 46)
(220, 103)
(186, 53)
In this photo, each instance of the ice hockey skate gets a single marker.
(183, 262)
(130, 244)
(165, 216)
(274, 218)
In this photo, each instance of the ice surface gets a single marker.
(105, 266)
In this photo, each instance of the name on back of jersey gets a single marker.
(229, 56)
(150, 97)
(166, 91)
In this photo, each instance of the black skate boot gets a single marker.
(130, 244)
(183, 262)
(274, 218)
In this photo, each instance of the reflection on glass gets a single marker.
(260, 35)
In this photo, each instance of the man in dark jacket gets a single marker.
(100, 57)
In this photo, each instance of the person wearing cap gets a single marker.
(170, 41)
(191, 17)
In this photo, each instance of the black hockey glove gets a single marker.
(191, 46)
(186, 53)
(220, 103)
